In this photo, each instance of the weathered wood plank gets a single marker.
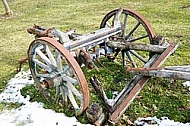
(178, 68)
(99, 89)
(163, 73)
(138, 46)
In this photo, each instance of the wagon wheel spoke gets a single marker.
(72, 100)
(58, 59)
(131, 58)
(51, 58)
(42, 65)
(138, 56)
(43, 56)
(70, 79)
(63, 94)
(139, 38)
(74, 90)
(41, 75)
(57, 94)
(70, 94)
(132, 31)
(108, 24)
(125, 26)
(58, 75)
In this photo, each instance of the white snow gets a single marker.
(154, 121)
(33, 113)
(187, 83)
(29, 114)
(12, 91)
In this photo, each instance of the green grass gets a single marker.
(160, 97)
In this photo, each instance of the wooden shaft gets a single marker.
(137, 46)
(163, 73)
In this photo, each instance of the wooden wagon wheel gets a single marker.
(57, 75)
(135, 28)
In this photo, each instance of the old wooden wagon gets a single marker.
(124, 44)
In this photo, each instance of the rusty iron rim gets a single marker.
(72, 62)
(134, 14)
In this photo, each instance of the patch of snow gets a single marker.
(154, 121)
(187, 83)
(12, 91)
(29, 114)
(33, 114)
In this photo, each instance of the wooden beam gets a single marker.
(176, 74)
(178, 68)
(137, 46)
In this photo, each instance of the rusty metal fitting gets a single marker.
(84, 58)
(47, 83)
(20, 63)
(40, 31)
(127, 44)
(130, 70)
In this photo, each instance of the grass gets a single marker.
(160, 97)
